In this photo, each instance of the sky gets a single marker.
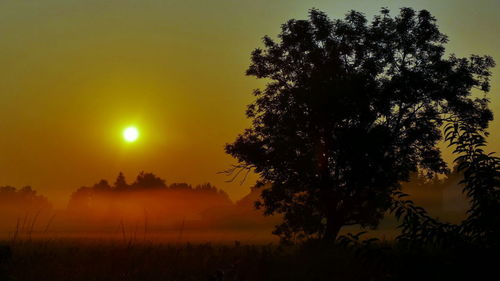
(75, 73)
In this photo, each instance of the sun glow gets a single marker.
(131, 134)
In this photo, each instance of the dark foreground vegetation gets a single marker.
(108, 261)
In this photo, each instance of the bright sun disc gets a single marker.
(130, 134)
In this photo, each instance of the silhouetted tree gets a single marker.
(206, 187)
(102, 185)
(148, 180)
(180, 186)
(351, 108)
(120, 182)
(83, 196)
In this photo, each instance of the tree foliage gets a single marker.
(351, 108)
(481, 183)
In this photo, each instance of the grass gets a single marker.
(87, 260)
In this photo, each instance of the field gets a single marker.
(86, 260)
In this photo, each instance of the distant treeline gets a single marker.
(145, 183)
(12, 198)
(146, 205)
(21, 208)
(153, 204)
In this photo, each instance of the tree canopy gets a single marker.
(351, 109)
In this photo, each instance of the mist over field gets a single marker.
(151, 210)
(148, 209)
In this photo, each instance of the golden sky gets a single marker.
(75, 73)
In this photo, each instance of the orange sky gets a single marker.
(75, 73)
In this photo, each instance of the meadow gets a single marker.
(110, 260)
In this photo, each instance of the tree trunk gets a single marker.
(334, 221)
(333, 227)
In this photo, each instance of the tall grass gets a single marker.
(84, 260)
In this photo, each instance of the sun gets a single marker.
(130, 134)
